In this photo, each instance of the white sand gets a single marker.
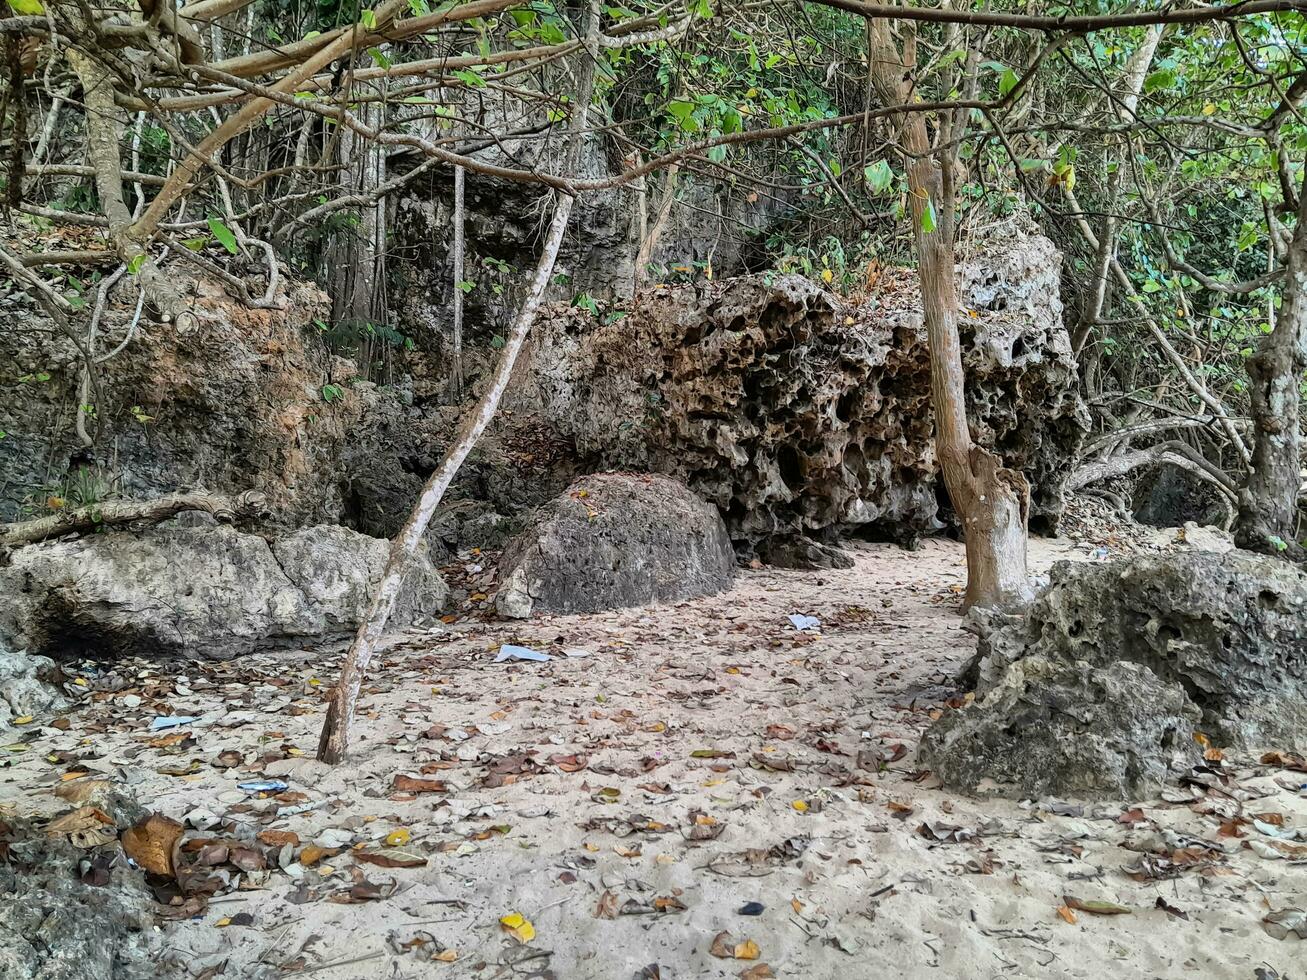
(870, 897)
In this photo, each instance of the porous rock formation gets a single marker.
(1213, 642)
(796, 412)
(70, 911)
(615, 540)
(26, 685)
(227, 399)
(208, 590)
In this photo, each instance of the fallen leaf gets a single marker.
(398, 838)
(1169, 909)
(1095, 907)
(150, 842)
(86, 827)
(518, 926)
(607, 907)
(415, 784)
(726, 946)
(312, 854)
(760, 972)
(393, 858)
(1066, 914)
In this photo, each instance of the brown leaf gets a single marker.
(1132, 817)
(1169, 909)
(414, 784)
(607, 907)
(393, 857)
(247, 859)
(278, 838)
(1285, 760)
(781, 733)
(79, 791)
(1094, 907)
(150, 843)
(760, 972)
(1066, 914)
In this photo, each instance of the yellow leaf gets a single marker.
(23, 720)
(848, 321)
(827, 276)
(398, 838)
(747, 950)
(223, 923)
(800, 806)
(518, 926)
(1207, 109)
(80, 682)
(445, 956)
(71, 775)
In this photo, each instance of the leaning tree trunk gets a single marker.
(991, 501)
(1268, 501)
(334, 742)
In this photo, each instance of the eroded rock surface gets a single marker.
(26, 685)
(615, 540)
(796, 412)
(202, 590)
(1228, 631)
(1066, 729)
(70, 912)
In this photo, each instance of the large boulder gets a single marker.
(209, 591)
(797, 412)
(1227, 631)
(1067, 729)
(615, 540)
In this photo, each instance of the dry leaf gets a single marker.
(150, 843)
(518, 926)
(312, 854)
(414, 784)
(607, 907)
(1066, 913)
(87, 827)
(1095, 907)
(395, 858)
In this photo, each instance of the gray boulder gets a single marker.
(1066, 729)
(615, 540)
(209, 591)
(26, 686)
(1225, 632)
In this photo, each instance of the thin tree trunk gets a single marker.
(334, 742)
(1268, 501)
(456, 366)
(649, 241)
(333, 745)
(991, 501)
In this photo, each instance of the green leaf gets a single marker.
(134, 266)
(466, 285)
(880, 175)
(928, 223)
(224, 235)
(1158, 80)
(368, 19)
(28, 8)
(379, 58)
(1007, 81)
(470, 78)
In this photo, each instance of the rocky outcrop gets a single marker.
(26, 685)
(615, 540)
(1208, 641)
(208, 591)
(227, 399)
(1066, 729)
(798, 413)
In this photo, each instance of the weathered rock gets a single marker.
(228, 399)
(207, 591)
(1226, 630)
(55, 924)
(1168, 496)
(796, 412)
(26, 686)
(1066, 729)
(800, 551)
(616, 540)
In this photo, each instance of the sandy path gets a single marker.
(866, 895)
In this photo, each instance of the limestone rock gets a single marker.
(1066, 729)
(207, 591)
(615, 540)
(1225, 631)
(797, 412)
(26, 686)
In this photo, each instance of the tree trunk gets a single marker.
(334, 742)
(992, 502)
(1268, 501)
(456, 365)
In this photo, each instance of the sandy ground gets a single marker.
(704, 756)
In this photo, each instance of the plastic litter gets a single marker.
(264, 786)
(801, 623)
(172, 721)
(510, 651)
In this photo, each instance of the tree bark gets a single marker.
(456, 361)
(1268, 500)
(117, 512)
(991, 501)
